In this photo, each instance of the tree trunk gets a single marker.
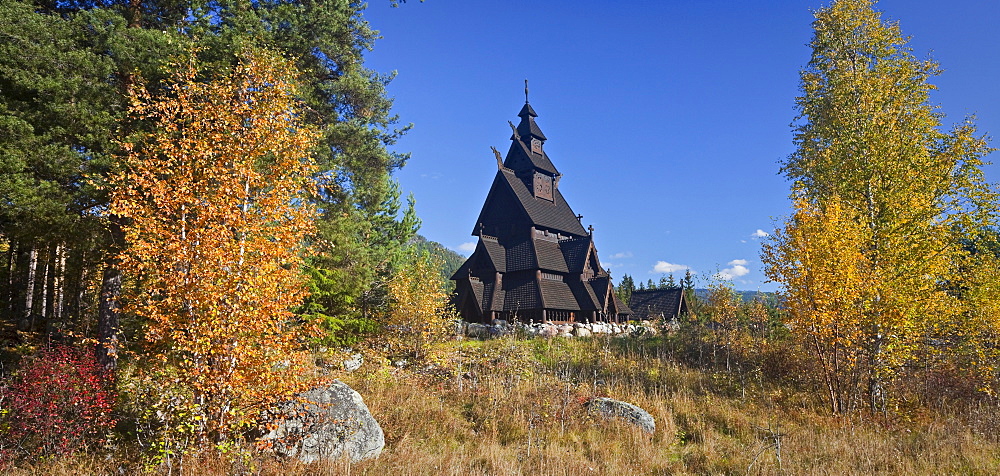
(8, 280)
(48, 285)
(29, 291)
(107, 318)
(59, 294)
(107, 315)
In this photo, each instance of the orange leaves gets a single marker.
(217, 202)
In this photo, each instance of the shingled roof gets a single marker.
(558, 295)
(528, 127)
(495, 251)
(653, 303)
(555, 215)
(575, 252)
(520, 158)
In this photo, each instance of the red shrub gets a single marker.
(60, 402)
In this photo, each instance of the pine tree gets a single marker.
(625, 289)
(78, 60)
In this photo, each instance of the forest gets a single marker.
(198, 212)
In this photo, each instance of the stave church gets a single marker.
(534, 260)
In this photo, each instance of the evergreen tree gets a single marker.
(688, 284)
(625, 289)
(671, 282)
(67, 68)
(688, 281)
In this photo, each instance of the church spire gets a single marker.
(527, 129)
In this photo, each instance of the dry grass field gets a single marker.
(511, 406)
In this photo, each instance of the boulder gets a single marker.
(478, 330)
(549, 331)
(581, 332)
(611, 408)
(354, 362)
(326, 423)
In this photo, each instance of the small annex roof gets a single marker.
(649, 303)
(477, 292)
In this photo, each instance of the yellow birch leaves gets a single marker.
(883, 199)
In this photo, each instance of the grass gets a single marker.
(509, 419)
(511, 406)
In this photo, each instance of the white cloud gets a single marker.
(760, 234)
(663, 267)
(624, 254)
(737, 268)
(466, 248)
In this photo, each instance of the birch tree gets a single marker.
(215, 201)
(870, 150)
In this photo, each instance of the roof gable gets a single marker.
(496, 253)
(520, 158)
(554, 216)
(503, 206)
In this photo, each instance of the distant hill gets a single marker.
(702, 293)
(450, 260)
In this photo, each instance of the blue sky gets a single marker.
(668, 119)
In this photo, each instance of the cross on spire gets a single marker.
(526, 91)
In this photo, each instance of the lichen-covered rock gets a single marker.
(354, 362)
(326, 423)
(611, 408)
(549, 331)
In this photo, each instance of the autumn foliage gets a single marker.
(60, 402)
(216, 201)
(878, 275)
(419, 313)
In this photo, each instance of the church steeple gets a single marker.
(528, 129)
(527, 154)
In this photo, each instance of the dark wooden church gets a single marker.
(534, 260)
